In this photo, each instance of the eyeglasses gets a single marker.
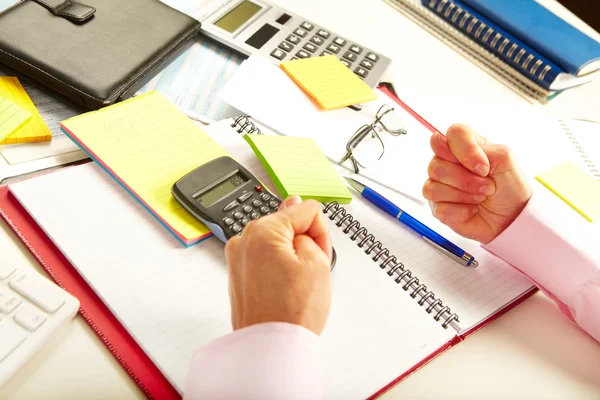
(365, 147)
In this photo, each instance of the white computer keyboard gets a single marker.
(31, 309)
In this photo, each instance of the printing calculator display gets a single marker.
(279, 35)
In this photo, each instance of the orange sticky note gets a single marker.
(329, 82)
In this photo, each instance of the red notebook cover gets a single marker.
(110, 331)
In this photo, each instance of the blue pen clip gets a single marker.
(467, 259)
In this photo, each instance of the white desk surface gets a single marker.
(532, 352)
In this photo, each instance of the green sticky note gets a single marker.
(297, 166)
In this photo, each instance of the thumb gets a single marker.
(465, 144)
(290, 201)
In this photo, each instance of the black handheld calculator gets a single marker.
(225, 196)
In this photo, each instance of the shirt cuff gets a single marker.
(272, 360)
(541, 248)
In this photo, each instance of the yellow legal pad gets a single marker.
(34, 130)
(576, 187)
(147, 144)
(329, 82)
(298, 167)
(11, 117)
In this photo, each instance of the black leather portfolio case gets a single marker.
(92, 53)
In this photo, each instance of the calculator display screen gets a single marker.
(238, 16)
(229, 185)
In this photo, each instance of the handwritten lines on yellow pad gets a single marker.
(147, 144)
(34, 130)
(576, 187)
(11, 117)
(329, 82)
(298, 167)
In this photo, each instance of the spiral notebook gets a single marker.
(476, 53)
(436, 302)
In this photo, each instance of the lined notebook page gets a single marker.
(374, 334)
(11, 117)
(298, 167)
(575, 187)
(35, 130)
(147, 144)
(329, 82)
(474, 294)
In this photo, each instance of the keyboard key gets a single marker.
(6, 270)
(323, 33)
(302, 54)
(264, 210)
(356, 49)
(346, 63)
(307, 25)
(361, 72)
(300, 32)
(236, 228)
(39, 291)
(333, 48)
(317, 40)
(227, 221)
(310, 47)
(29, 318)
(326, 53)
(350, 56)
(278, 54)
(339, 41)
(8, 301)
(255, 215)
(10, 338)
(366, 64)
(293, 39)
(245, 222)
(372, 57)
(238, 215)
(247, 209)
(265, 197)
(286, 46)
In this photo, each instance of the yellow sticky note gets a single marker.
(34, 130)
(298, 167)
(11, 117)
(147, 145)
(576, 187)
(329, 82)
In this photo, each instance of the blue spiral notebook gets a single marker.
(526, 36)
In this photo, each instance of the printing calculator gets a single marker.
(225, 196)
(259, 27)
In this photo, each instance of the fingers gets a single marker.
(457, 176)
(307, 218)
(449, 213)
(439, 145)
(439, 192)
(310, 253)
(465, 145)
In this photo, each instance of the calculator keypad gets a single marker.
(255, 205)
(305, 40)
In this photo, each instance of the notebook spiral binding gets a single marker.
(588, 162)
(464, 45)
(242, 124)
(391, 264)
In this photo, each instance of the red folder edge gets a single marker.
(106, 326)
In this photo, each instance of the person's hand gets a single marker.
(279, 268)
(474, 187)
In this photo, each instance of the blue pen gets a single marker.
(436, 240)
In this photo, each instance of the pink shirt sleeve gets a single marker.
(558, 259)
(273, 360)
